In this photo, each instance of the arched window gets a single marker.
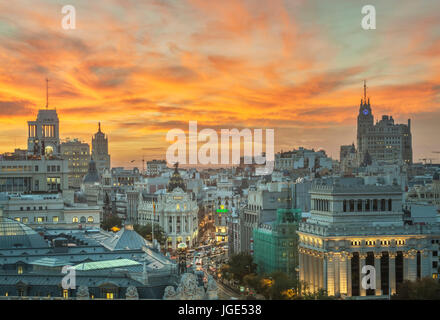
(345, 205)
(75, 220)
(390, 205)
(83, 219)
(90, 219)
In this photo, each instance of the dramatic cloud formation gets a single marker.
(142, 67)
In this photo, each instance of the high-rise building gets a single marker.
(383, 141)
(77, 154)
(100, 150)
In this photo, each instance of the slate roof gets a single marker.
(15, 234)
(126, 239)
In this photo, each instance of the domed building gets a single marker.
(175, 211)
(14, 234)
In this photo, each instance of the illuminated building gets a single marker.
(174, 210)
(353, 225)
(77, 154)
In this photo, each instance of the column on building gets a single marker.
(343, 276)
(320, 271)
(324, 272)
(337, 274)
(330, 274)
(313, 271)
(405, 266)
(362, 257)
(348, 262)
(377, 267)
(392, 272)
(301, 264)
(307, 269)
(412, 265)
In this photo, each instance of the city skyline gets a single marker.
(142, 69)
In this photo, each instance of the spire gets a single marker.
(365, 91)
(99, 126)
(47, 93)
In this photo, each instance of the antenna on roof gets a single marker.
(47, 93)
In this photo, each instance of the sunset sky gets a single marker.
(143, 67)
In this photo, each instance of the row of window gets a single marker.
(55, 219)
(373, 242)
(82, 219)
(367, 205)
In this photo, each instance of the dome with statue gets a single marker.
(176, 180)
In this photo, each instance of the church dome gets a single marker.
(14, 234)
(92, 175)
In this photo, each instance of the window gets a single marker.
(434, 264)
(65, 294)
(109, 295)
(434, 253)
(25, 220)
(55, 219)
(20, 269)
(17, 219)
(40, 219)
(75, 220)
(90, 219)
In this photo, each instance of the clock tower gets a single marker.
(364, 122)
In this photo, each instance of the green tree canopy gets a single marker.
(424, 289)
(146, 232)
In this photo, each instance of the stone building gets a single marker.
(77, 154)
(44, 133)
(176, 212)
(100, 150)
(353, 225)
(384, 140)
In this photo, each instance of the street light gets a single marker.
(181, 252)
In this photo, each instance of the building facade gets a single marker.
(353, 225)
(383, 140)
(33, 174)
(44, 133)
(100, 150)
(77, 154)
(176, 212)
(275, 244)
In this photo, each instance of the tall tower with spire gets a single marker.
(384, 140)
(365, 120)
(100, 150)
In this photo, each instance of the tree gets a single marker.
(145, 231)
(241, 264)
(111, 221)
(423, 289)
